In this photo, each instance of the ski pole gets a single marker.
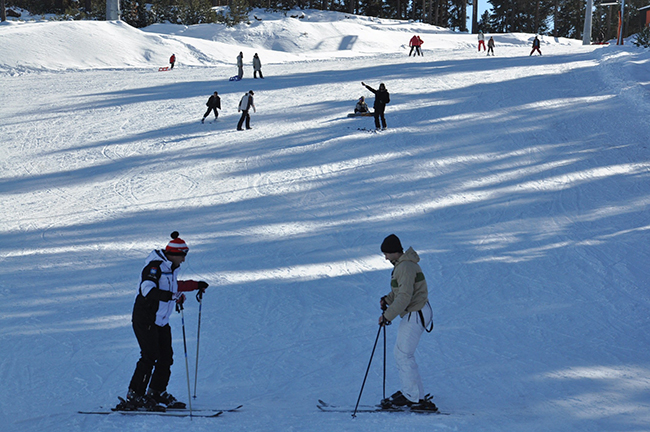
(199, 298)
(354, 414)
(384, 362)
(383, 308)
(179, 307)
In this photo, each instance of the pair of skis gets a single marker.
(170, 412)
(326, 407)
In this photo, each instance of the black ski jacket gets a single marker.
(214, 102)
(382, 97)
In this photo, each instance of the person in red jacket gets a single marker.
(172, 60)
(415, 44)
(159, 292)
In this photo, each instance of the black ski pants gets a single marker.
(379, 114)
(417, 50)
(207, 113)
(244, 116)
(155, 355)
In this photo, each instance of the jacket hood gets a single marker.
(158, 255)
(409, 255)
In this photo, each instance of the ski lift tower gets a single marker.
(621, 22)
(112, 10)
(586, 31)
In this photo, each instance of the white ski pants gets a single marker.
(408, 336)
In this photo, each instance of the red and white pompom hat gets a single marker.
(177, 245)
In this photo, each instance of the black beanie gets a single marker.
(391, 244)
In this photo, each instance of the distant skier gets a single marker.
(536, 45)
(490, 46)
(240, 65)
(362, 106)
(172, 60)
(257, 66)
(409, 299)
(214, 103)
(158, 292)
(382, 97)
(481, 41)
(416, 44)
(245, 104)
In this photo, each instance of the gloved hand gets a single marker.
(383, 304)
(201, 289)
(180, 299)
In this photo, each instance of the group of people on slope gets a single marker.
(416, 45)
(257, 66)
(382, 97)
(159, 292)
(245, 105)
(490, 44)
(481, 43)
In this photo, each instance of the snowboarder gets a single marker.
(172, 60)
(382, 97)
(245, 104)
(257, 66)
(535, 46)
(158, 292)
(490, 46)
(362, 106)
(408, 299)
(214, 103)
(415, 44)
(240, 65)
(481, 41)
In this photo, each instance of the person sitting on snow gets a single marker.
(362, 106)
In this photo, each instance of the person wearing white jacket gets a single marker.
(245, 104)
(158, 293)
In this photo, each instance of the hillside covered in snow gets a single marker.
(522, 182)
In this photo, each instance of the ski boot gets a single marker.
(396, 401)
(166, 399)
(135, 402)
(425, 404)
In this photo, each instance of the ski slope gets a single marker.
(521, 181)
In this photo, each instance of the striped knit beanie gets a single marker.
(177, 245)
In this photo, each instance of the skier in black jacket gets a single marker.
(159, 291)
(213, 103)
(382, 97)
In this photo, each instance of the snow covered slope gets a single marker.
(521, 181)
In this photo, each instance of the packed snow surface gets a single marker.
(522, 182)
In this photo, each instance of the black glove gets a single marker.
(201, 289)
(383, 304)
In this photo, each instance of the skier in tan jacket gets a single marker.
(409, 299)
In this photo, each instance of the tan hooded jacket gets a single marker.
(409, 291)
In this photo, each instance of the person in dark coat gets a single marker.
(172, 60)
(382, 97)
(213, 103)
(535, 46)
(257, 66)
(491, 46)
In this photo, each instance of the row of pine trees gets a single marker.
(561, 18)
